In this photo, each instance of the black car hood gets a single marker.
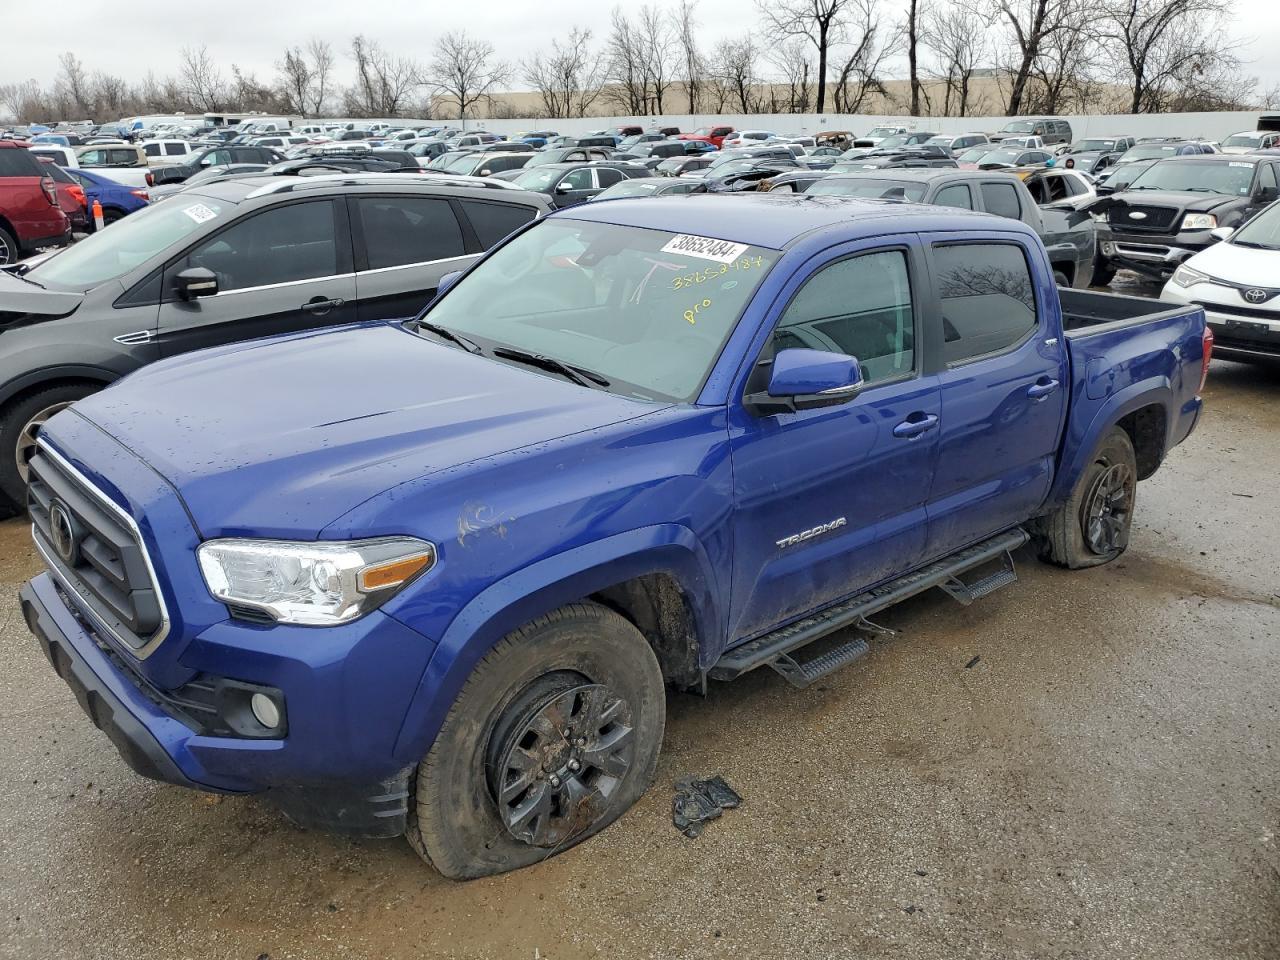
(23, 302)
(1192, 202)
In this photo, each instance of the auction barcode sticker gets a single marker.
(200, 213)
(707, 248)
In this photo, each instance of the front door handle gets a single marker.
(915, 425)
(319, 306)
(1042, 388)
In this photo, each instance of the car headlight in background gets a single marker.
(315, 584)
(1199, 221)
(1184, 276)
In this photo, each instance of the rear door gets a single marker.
(1003, 388)
(404, 244)
(282, 269)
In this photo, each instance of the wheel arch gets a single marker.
(55, 376)
(657, 577)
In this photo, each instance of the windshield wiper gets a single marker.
(444, 333)
(584, 378)
(1252, 246)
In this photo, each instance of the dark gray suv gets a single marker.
(228, 261)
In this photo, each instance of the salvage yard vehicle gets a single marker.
(1069, 236)
(30, 217)
(116, 199)
(1237, 281)
(430, 577)
(565, 184)
(1169, 212)
(227, 261)
(212, 157)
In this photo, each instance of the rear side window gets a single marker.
(122, 156)
(860, 307)
(607, 177)
(1002, 200)
(956, 195)
(988, 305)
(493, 221)
(403, 230)
(151, 149)
(17, 162)
(174, 149)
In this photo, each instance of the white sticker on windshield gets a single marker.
(706, 248)
(199, 213)
(1247, 166)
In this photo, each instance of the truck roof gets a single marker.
(773, 220)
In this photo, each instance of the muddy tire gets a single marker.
(1092, 527)
(1060, 279)
(9, 252)
(502, 787)
(19, 423)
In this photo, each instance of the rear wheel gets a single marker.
(555, 735)
(111, 216)
(1092, 527)
(8, 248)
(20, 425)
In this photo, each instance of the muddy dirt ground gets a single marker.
(1101, 783)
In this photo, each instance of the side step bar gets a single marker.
(775, 649)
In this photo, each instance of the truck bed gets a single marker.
(1086, 312)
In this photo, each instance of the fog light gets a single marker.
(265, 710)
(1108, 249)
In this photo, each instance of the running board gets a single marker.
(775, 649)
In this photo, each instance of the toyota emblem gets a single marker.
(1255, 296)
(1137, 215)
(62, 531)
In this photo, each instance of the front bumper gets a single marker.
(1240, 331)
(1155, 255)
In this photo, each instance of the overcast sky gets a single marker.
(252, 34)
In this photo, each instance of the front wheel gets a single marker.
(555, 735)
(20, 425)
(9, 252)
(1093, 526)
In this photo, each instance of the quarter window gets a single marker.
(493, 221)
(281, 245)
(988, 305)
(860, 307)
(402, 230)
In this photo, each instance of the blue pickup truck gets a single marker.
(432, 577)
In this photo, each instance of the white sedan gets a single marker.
(1237, 282)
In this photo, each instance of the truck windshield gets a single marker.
(873, 188)
(109, 254)
(1019, 126)
(642, 312)
(1233, 178)
(1262, 232)
(1243, 140)
(1090, 146)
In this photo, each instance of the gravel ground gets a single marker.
(1101, 783)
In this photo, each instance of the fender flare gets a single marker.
(62, 371)
(1156, 390)
(542, 587)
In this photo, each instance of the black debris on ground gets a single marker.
(699, 801)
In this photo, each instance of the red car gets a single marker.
(712, 135)
(30, 217)
(71, 196)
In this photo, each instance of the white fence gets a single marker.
(1211, 126)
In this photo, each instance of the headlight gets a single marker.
(1199, 221)
(318, 584)
(1184, 276)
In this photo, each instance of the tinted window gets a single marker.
(1002, 200)
(174, 149)
(956, 195)
(288, 243)
(860, 307)
(400, 230)
(18, 163)
(151, 149)
(493, 221)
(987, 299)
(1267, 177)
(608, 177)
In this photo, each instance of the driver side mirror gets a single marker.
(195, 282)
(803, 379)
(1222, 233)
(447, 281)
(1266, 195)
(563, 187)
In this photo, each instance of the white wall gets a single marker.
(1211, 126)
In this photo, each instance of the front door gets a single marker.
(831, 501)
(284, 269)
(1004, 390)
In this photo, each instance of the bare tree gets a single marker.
(738, 73)
(640, 57)
(570, 78)
(201, 80)
(912, 28)
(294, 80)
(656, 43)
(817, 21)
(322, 61)
(73, 85)
(869, 46)
(110, 95)
(464, 69)
(958, 49)
(383, 83)
(1032, 24)
(791, 61)
(692, 63)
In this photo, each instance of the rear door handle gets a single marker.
(319, 306)
(1042, 388)
(915, 425)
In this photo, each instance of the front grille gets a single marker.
(1156, 219)
(1240, 311)
(95, 550)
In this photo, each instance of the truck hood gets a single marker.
(23, 302)
(1189, 202)
(280, 437)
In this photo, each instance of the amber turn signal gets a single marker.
(393, 572)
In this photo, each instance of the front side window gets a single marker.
(151, 149)
(625, 303)
(860, 307)
(956, 195)
(403, 230)
(281, 245)
(579, 179)
(988, 303)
